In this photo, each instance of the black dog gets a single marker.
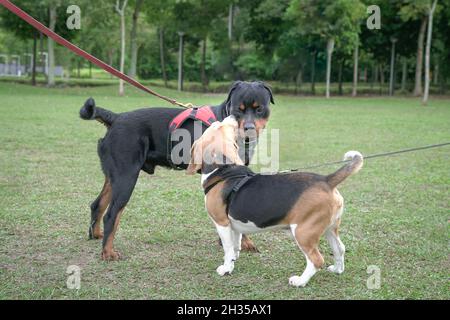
(139, 140)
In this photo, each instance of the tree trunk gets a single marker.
(111, 59)
(161, 55)
(133, 39)
(122, 52)
(374, 75)
(51, 48)
(436, 73)
(404, 73)
(392, 72)
(121, 12)
(330, 48)
(419, 62)
(427, 53)
(442, 85)
(40, 60)
(180, 61)
(299, 80)
(355, 70)
(33, 67)
(313, 72)
(381, 68)
(230, 22)
(203, 66)
(341, 66)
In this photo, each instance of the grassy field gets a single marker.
(396, 218)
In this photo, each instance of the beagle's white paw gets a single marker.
(335, 269)
(223, 270)
(297, 281)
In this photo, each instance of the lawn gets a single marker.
(396, 217)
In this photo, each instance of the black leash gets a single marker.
(377, 155)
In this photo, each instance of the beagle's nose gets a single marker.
(249, 126)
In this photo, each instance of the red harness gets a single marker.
(203, 114)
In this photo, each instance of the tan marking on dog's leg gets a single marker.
(309, 218)
(247, 244)
(108, 252)
(216, 207)
(217, 211)
(308, 242)
(103, 205)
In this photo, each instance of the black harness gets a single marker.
(234, 181)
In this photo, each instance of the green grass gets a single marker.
(396, 218)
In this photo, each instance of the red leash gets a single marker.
(43, 29)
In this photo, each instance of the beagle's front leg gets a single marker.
(227, 237)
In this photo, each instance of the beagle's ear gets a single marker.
(234, 86)
(230, 148)
(195, 163)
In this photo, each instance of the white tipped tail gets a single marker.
(354, 166)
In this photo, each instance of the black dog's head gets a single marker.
(249, 103)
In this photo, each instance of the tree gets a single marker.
(230, 21)
(120, 9)
(431, 9)
(98, 34)
(355, 69)
(377, 41)
(417, 10)
(22, 29)
(206, 11)
(56, 8)
(160, 13)
(46, 12)
(333, 20)
(133, 38)
(184, 13)
(52, 6)
(392, 69)
(293, 51)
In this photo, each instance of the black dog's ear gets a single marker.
(269, 89)
(234, 86)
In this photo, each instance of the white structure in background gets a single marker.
(10, 65)
(45, 54)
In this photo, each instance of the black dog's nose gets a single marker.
(249, 126)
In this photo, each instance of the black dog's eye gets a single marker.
(259, 110)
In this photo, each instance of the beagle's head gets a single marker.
(217, 146)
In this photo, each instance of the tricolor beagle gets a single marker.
(242, 202)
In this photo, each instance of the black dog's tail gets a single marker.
(356, 163)
(90, 112)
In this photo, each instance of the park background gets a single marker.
(396, 208)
